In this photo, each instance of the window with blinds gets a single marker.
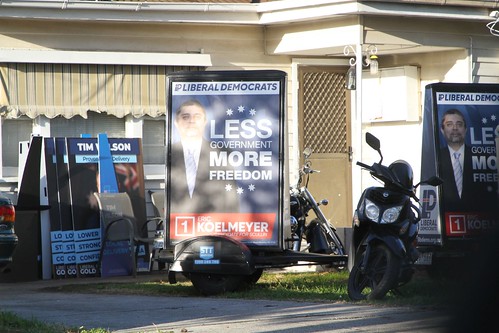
(13, 132)
(154, 140)
(16, 130)
(95, 123)
(66, 93)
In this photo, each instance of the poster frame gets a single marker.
(431, 164)
(282, 208)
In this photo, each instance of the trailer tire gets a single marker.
(209, 284)
(253, 278)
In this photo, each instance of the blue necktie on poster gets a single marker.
(458, 172)
(191, 169)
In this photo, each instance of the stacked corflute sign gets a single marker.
(74, 171)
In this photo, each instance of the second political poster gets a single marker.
(459, 145)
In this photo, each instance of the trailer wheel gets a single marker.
(253, 278)
(210, 284)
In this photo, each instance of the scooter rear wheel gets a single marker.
(375, 280)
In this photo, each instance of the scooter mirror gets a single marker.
(435, 181)
(307, 152)
(375, 144)
(373, 141)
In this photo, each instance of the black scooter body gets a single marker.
(383, 251)
(369, 232)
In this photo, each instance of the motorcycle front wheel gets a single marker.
(322, 241)
(375, 280)
(334, 242)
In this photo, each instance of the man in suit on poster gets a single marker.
(459, 191)
(192, 190)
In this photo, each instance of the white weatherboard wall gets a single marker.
(391, 95)
(397, 142)
(391, 110)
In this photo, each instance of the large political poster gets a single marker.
(66, 214)
(84, 178)
(83, 173)
(56, 234)
(225, 156)
(459, 146)
(123, 161)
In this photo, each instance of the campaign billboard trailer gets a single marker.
(459, 146)
(227, 194)
(228, 128)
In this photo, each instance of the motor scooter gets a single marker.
(385, 227)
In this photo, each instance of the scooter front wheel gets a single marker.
(375, 280)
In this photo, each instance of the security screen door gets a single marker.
(324, 125)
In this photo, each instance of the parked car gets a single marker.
(8, 237)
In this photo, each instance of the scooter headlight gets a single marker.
(356, 221)
(372, 211)
(391, 214)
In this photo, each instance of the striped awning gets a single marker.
(73, 89)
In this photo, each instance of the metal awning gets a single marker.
(67, 90)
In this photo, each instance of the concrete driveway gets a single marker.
(125, 313)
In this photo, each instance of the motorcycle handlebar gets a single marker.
(418, 213)
(365, 166)
(308, 170)
(379, 171)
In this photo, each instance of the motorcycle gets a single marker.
(320, 235)
(385, 226)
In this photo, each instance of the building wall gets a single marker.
(230, 47)
(312, 37)
(403, 139)
(464, 52)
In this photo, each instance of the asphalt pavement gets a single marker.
(135, 313)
